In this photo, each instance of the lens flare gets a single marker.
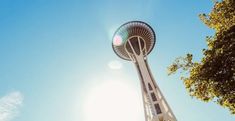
(117, 40)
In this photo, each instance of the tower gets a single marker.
(133, 41)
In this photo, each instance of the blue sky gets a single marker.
(53, 53)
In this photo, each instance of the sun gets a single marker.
(113, 101)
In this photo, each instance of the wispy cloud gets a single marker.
(9, 105)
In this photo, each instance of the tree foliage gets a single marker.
(222, 16)
(213, 78)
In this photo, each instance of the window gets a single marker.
(153, 97)
(150, 87)
(157, 108)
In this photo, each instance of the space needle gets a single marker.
(133, 41)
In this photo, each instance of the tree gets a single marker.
(213, 78)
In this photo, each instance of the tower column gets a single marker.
(155, 105)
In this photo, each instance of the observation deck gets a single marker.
(133, 37)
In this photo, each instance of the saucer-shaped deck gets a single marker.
(131, 31)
